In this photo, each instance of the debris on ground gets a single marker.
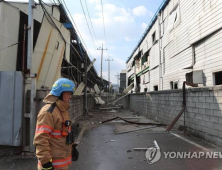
(113, 111)
(138, 123)
(133, 130)
(109, 108)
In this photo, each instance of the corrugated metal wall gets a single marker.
(11, 97)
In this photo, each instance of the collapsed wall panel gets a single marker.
(48, 53)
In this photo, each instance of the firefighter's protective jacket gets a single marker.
(49, 142)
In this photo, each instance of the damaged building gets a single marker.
(57, 52)
(182, 42)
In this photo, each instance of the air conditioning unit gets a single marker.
(195, 77)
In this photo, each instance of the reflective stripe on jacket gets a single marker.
(49, 142)
(59, 163)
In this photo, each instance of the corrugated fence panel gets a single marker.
(11, 97)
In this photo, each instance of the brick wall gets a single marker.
(203, 115)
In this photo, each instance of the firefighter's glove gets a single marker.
(75, 153)
(48, 166)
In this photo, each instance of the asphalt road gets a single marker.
(102, 149)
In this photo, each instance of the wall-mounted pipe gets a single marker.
(23, 51)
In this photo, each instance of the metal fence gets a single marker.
(11, 100)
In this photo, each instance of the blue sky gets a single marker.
(125, 23)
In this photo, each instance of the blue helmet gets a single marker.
(61, 85)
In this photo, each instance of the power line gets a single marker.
(50, 20)
(103, 23)
(92, 27)
(91, 23)
(75, 26)
(87, 23)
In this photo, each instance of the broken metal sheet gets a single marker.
(110, 86)
(113, 111)
(91, 64)
(48, 53)
(96, 88)
(138, 129)
(130, 87)
(140, 149)
(138, 123)
(119, 99)
(99, 100)
(79, 89)
(92, 91)
(109, 108)
(56, 13)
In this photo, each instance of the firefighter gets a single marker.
(53, 139)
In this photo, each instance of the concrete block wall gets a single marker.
(203, 114)
(76, 106)
(124, 101)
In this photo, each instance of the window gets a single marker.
(174, 85)
(171, 85)
(155, 88)
(218, 78)
(145, 57)
(174, 19)
(145, 89)
(154, 37)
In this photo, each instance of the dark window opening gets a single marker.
(37, 26)
(175, 85)
(145, 57)
(218, 78)
(171, 85)
(155, 88)
(154, 37)
(145, 89)
(133, 64)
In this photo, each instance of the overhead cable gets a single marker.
(104, 30)
(76, 28)
(91, 23)
(87, 24)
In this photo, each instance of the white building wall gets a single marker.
(187, 39)
(208, 57)
(9, 28)
(37, 13)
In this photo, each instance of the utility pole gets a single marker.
(109, 72)
(31, 75)
(102, 49)
(85, 77)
